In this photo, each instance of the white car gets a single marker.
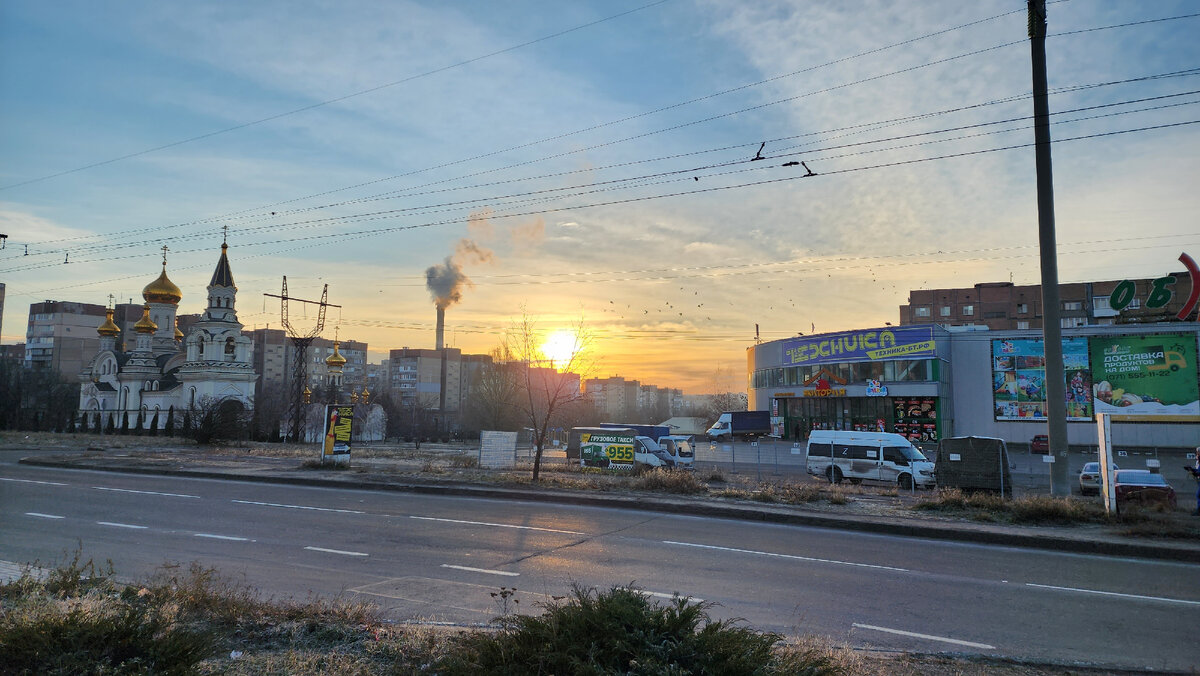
(1089, 478)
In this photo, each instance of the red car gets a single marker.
(1040, 444)
(1143, 487)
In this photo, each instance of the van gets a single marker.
(618, 449)
(679, 448)
(878, 457)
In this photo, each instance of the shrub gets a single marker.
(1042, 509)
(679, 481)
(621, 631)
(464, 461)
(75, 622)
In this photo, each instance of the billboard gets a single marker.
(606, 450)
(1150, 376)
(339, 423)
(1019, 379)
(896, 342)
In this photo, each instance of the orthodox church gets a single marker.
(166, 372)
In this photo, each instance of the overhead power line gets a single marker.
(313, 106)
(94, 246)
(347, 236)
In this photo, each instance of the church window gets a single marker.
(229, 346)
(200, 348)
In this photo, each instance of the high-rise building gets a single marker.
(415, 377)
(61, 336)
(274, 360)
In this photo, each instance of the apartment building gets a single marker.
(1006, 306)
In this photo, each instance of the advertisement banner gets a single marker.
(606, 451)
(1019, 379)
(1148, 376)
(339, 423)
(915, 418)
(896, 342)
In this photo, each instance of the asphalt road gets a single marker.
(1030, 473)
(439, 559)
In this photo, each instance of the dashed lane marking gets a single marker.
(786, 556)
(315, 509)
(498, 525)
(223, 537)
(336, 551)
(130, 490)
(928, 637)
(120, 525)
(44, 516)
(506, 573)
(1117, 594)
(31, 481)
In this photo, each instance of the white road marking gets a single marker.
(120, 525)
(482, 570)
(222, 537)
(1117, 594)
(497, 525)
(315, 509)
(44, 516)
(943, 639)
(785, 556)
(31, 481)
(670, 596)
(336, 551)
(129, 490)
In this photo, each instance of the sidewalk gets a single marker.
(1091, 539)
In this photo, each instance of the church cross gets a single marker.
(164, 250)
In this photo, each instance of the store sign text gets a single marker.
(872, 344)
(831, 392)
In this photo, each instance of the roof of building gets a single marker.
(223, 276)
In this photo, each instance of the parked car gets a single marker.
(1142, 486)
(1089, 478)
(1039, 444)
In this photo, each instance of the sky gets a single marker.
(617, 165)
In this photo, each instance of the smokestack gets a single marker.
(440, 339)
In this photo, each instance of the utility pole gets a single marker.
(1056, 404)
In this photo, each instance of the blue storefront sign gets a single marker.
(898, 342)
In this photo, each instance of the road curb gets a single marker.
(673, 505)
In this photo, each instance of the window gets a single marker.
(1022, 308)
(968, 310)
(1022, 325)
(945, 311)
(1101, 303)
(1072, 305)
(921, 311)
(1072, 322)
(1134, 304)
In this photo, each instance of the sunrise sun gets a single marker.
(560, 346)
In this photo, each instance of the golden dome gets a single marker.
(145, 324)
(108, 328)
(162, 290)
(336, 359)
(178, 333)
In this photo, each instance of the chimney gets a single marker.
(441, 328)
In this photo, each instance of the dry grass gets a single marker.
(664, 481)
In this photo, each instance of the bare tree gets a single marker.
(723, 398)
(549, 385)
(494, 394)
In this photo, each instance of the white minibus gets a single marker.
(878, 457)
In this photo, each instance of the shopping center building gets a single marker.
(928, 381)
